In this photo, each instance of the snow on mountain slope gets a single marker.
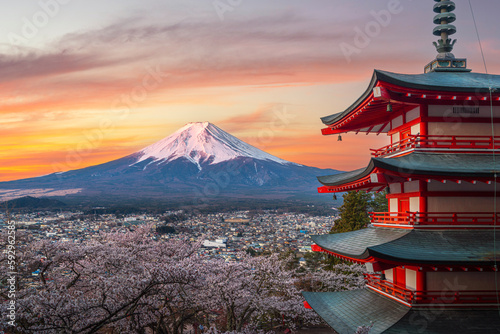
(200, 143)
(188, 165)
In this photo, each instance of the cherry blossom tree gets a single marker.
(122, 280)
(127, 282)
(257, 290)
(341, 277)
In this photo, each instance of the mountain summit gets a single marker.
(202, 143)
(199, 161)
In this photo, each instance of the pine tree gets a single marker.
(379, 202)
(353, 213)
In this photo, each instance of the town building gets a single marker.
(433, 257)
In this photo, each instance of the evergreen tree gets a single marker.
(379, 202)
(353, 213)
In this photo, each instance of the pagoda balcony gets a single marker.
(410, 296)
(429, 219)
(439, 143)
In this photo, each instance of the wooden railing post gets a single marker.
(433, 142)
(435, 218)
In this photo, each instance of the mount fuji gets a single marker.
(200, 162)
(201, 144)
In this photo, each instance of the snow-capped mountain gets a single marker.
(201, 143)
(199, 161)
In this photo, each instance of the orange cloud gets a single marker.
(50, 98)
(42, 163)
(90, 69)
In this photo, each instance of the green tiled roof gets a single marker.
(452, 247)
(346, 311)
(442, 81)
(357, 243)
(424, 164)
(439, 81)
(341, 178)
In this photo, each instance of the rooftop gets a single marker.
(345, 311)
(435, 247)
(457, 82)
(458, 165)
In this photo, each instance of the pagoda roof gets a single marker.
(438, 247)
(347, 310)
(356, 244)
(459, 82)
(458, 165)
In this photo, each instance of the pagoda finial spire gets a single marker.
(445, 60)
(444, 29)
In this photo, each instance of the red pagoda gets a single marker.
(433, 256)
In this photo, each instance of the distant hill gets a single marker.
(198, 164)
(29, 202)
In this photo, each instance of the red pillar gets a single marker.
(420, 280)
(420, 285)
(423, 198)
(424, 112)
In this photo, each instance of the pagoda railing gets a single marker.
(456, 143)
(393, 217)
(390, 288)
(436, 218)
(403, 145)
(432, 297)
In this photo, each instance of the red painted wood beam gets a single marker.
(330, 131)
(382, 128)
(381, 93)
(378, 178)
(316, 248)
(412, 94)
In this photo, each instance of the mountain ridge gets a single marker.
(202, 142)
(199, 162)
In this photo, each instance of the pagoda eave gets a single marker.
(399, 93)
(392, 316)
(377, 264)
(375, 181)
(452, 248)
(371, 116)
(358, 260)
(454, 167)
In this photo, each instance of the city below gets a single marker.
(222, 235)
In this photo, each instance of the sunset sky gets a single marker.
(86, 82)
